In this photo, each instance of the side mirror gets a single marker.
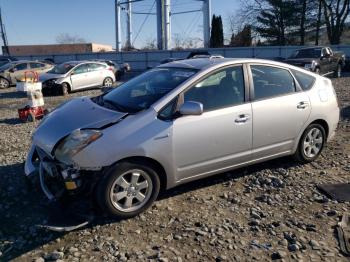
(12, 70)
(191, 108)
(72, 73)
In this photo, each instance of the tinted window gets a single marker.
(36, 65)
(142, 91)
(224, 88)
(95, 67)
(81, 69)
(305, 81)
(271, 81)
(21, 66)
(167, 112)
(61, 69)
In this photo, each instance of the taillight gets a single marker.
(110, 68)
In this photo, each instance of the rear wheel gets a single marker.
(128, 189)
(338, 71)
(311, 143)
(4, 83)
(64, 89)
(108, 82)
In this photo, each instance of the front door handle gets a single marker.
(242, 119)
(302, 105)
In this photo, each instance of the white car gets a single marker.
(76, 75)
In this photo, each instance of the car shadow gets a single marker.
(11, 121)
(24, 208)
(13, 94)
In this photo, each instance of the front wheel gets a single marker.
(128, 189)
(4, 83)
(108, 82)
(311, 143)
(64, 89)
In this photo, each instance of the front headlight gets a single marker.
(74, 143)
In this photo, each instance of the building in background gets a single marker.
(24, 50)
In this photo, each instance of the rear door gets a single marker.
(96, 73)
(222, 136)
(80, 77)
(279, 110)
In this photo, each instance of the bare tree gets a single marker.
(335, 14)
(318, 23)
(150, 44)
(66, 38)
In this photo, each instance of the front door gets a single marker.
(221, 137)
(80, 77)
(279, 111)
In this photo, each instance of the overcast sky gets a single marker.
(41, 21)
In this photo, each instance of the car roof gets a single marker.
(83, 62)
(204, 63)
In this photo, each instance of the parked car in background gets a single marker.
(76, 75)
(321, 60)
(180, 122)
(192, 54)
(12, 72)
(118, 69)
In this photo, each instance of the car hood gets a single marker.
(299, 61)
(78, 113)
(48, 76)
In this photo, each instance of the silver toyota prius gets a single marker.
(180, 122)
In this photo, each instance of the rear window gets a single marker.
(305, 81)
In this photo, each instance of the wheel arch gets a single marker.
(323, 123)
(152, 163)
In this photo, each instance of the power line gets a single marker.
(144, 21)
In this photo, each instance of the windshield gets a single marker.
(61, 69)
(307, 53)
(6, 66)
(142, 91)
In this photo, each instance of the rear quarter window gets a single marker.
(305, 81)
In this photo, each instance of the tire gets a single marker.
(137, 185)
(107, 82)
(311, 144)
(31, 117)
(65, 89)
(337, 73)
(4, 83)
(317, 70)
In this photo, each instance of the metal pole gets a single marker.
(118, 42)
(206, 22)
(167, 25)
(129, 27)
(159, 25)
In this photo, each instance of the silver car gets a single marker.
(180, 122)
(76, 75)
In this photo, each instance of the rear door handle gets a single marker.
(302, 105)
(242, 119)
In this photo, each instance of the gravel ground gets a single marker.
(263, 212)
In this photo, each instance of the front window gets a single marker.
(224, 88)
(142, 91)
(61, 69)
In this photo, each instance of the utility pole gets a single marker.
(206, 22)
(159, 24)
(5, 50)
(118, 42)
(129, 27)
(167, 24)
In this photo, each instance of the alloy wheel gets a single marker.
(108, 82)
(131, 190)
(313, 143)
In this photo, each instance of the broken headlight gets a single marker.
(74, 143)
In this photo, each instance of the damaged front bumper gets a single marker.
(57, 179)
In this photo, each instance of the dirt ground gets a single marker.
(263, 212)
